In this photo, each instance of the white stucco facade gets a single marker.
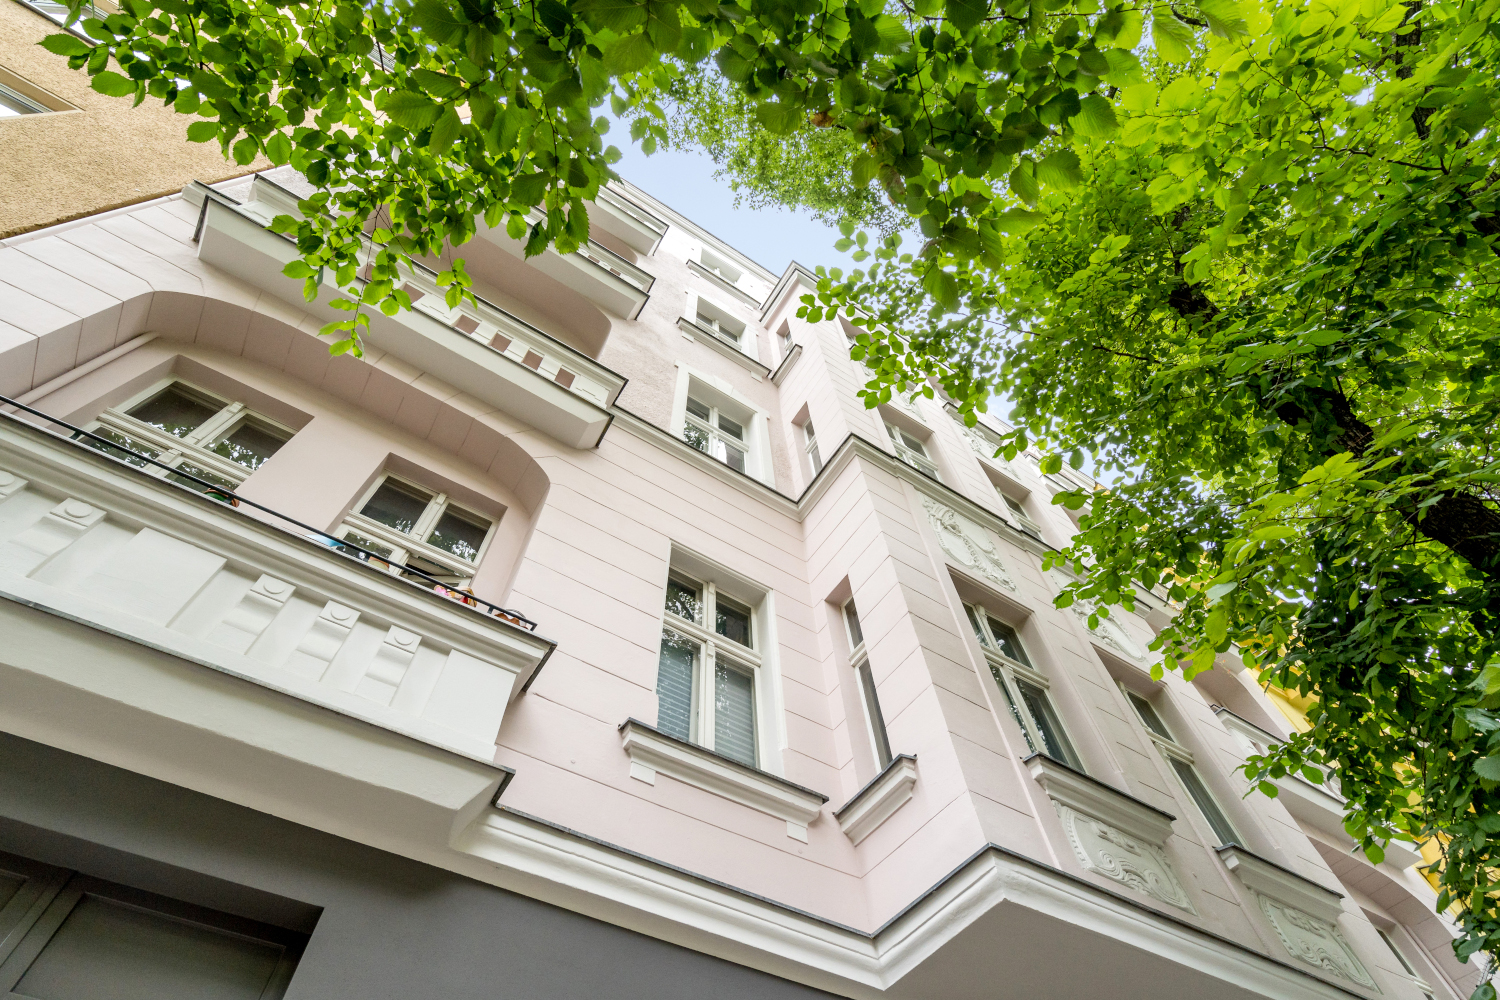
(893, 818)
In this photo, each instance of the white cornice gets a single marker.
(1092, 797)
(706, 336)
(651, 751)
(723, 284)
(1278, 883)
(872, 805)
(780, 374)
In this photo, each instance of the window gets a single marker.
(410, 525)
(13, 102)
(719, 266)
(1391, 944)
(712, 432)
(718, 321)
(911, 451)
(193, 431)
(1018, 511)
(810, 445)
(880, 741)
(1024, 687)
(784, 339)
(76, 936)
(1181, 762)
(707, 672)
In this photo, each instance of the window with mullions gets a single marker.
(708, 670)
(1181, 762)
(709, 430)
(723, 325)
(409, 525)
(1024, 687)
(810, 445)
(192, 431)
(880, 740)
(912, 451)
(1018, 511)
(1390, 943)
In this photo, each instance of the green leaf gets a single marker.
(1060, 170)
(942, 286)
(1223, 16)
(278, 148)
(629, 55)
(412, 112)
(444, 132)
(778, 118)
(965, 14)
(1023, 185)
(1095, 118)
(616, 15)
(202, 131)
(298, 269)
(439, 85)
(66, 45)
(246, 150)
(1488, 768)
(113, 84)
(1172, 38)
(437, 19)
(1050, 464)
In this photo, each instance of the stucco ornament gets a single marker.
(1107, 851)
(982, 445)
(967, 544)
(1108, 631)
(1315, 941)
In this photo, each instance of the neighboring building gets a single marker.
(784, 708)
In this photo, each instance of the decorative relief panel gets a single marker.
(1109, 632)
(967, 544)
(1128, 860)
(1315, 941)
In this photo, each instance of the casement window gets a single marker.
(193, 431)
(912, 451)
(713, 432)
(784, 340)
(66, 935)
(1181, 762)
(880, 741)
(1023, 520)
(1417, 980)
(1024, 687)
(13, 103)
(810, 445)
(720, 323)
(409, 525)
(708, 670)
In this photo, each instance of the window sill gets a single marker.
(872, 805)
(720, 282)
(1112, 833)
(705, 336)
(651, 750)
(779, 375)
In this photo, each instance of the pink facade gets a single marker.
(974, 860)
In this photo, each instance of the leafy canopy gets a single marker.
(1245, 250)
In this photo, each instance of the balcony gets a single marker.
(595, 272)
(481, 350)
(626, 221)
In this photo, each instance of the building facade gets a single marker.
(595, 638)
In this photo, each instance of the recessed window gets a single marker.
(718, 265)
(1023, 520)
(408, 525)
(1024, 687)
(911, 450)
(880, 740)
(1390, 943)
(810, 446)
(784, 339)
(13, 102)
(1181, 762)
(720, 323)
(714, 432)
(194, 432)
(708, 670)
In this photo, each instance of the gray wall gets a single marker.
(388, 927)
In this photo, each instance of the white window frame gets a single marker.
(1171, 750)
(1009, 674)
(1017, 510)
(864, 677)
(720, 441)
(195, 448)
(916, 457)
(403, 545)
(1386, 935)
(810, 447)
(711, 646)
(784, 339)
(715, 263)
(720, 394)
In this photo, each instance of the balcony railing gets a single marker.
(234, 585)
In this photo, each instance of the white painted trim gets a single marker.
(879, 800)
(693, 765)
(1281, 885)
(1092, 797)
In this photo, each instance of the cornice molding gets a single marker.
(780, 374)
(722, 284)
(1281, 884)
(652, 751)
(875, 803)
(1070, 787)
(707, 337)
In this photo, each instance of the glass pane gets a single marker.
(732, 621)
(397, 505)
(174, 411)
(126, 446)
(877, 720)
(1205, 802)
(251, 444)
(1148, 715)
(734, 458)
(974, 621)
(730, 427)
(814, 457)
(674, 685)
(851, 618)
(379, 548)
(683, 601)
(1050, 726)
(734, 714)
(206, 476)
(12, 103)
(697, 409)
(1394, 951)
(106, 950)
(459, 532)
(1010, 643)
(695, 436)
(914, 444)
(1015, 712)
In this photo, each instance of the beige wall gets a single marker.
(99, 155)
